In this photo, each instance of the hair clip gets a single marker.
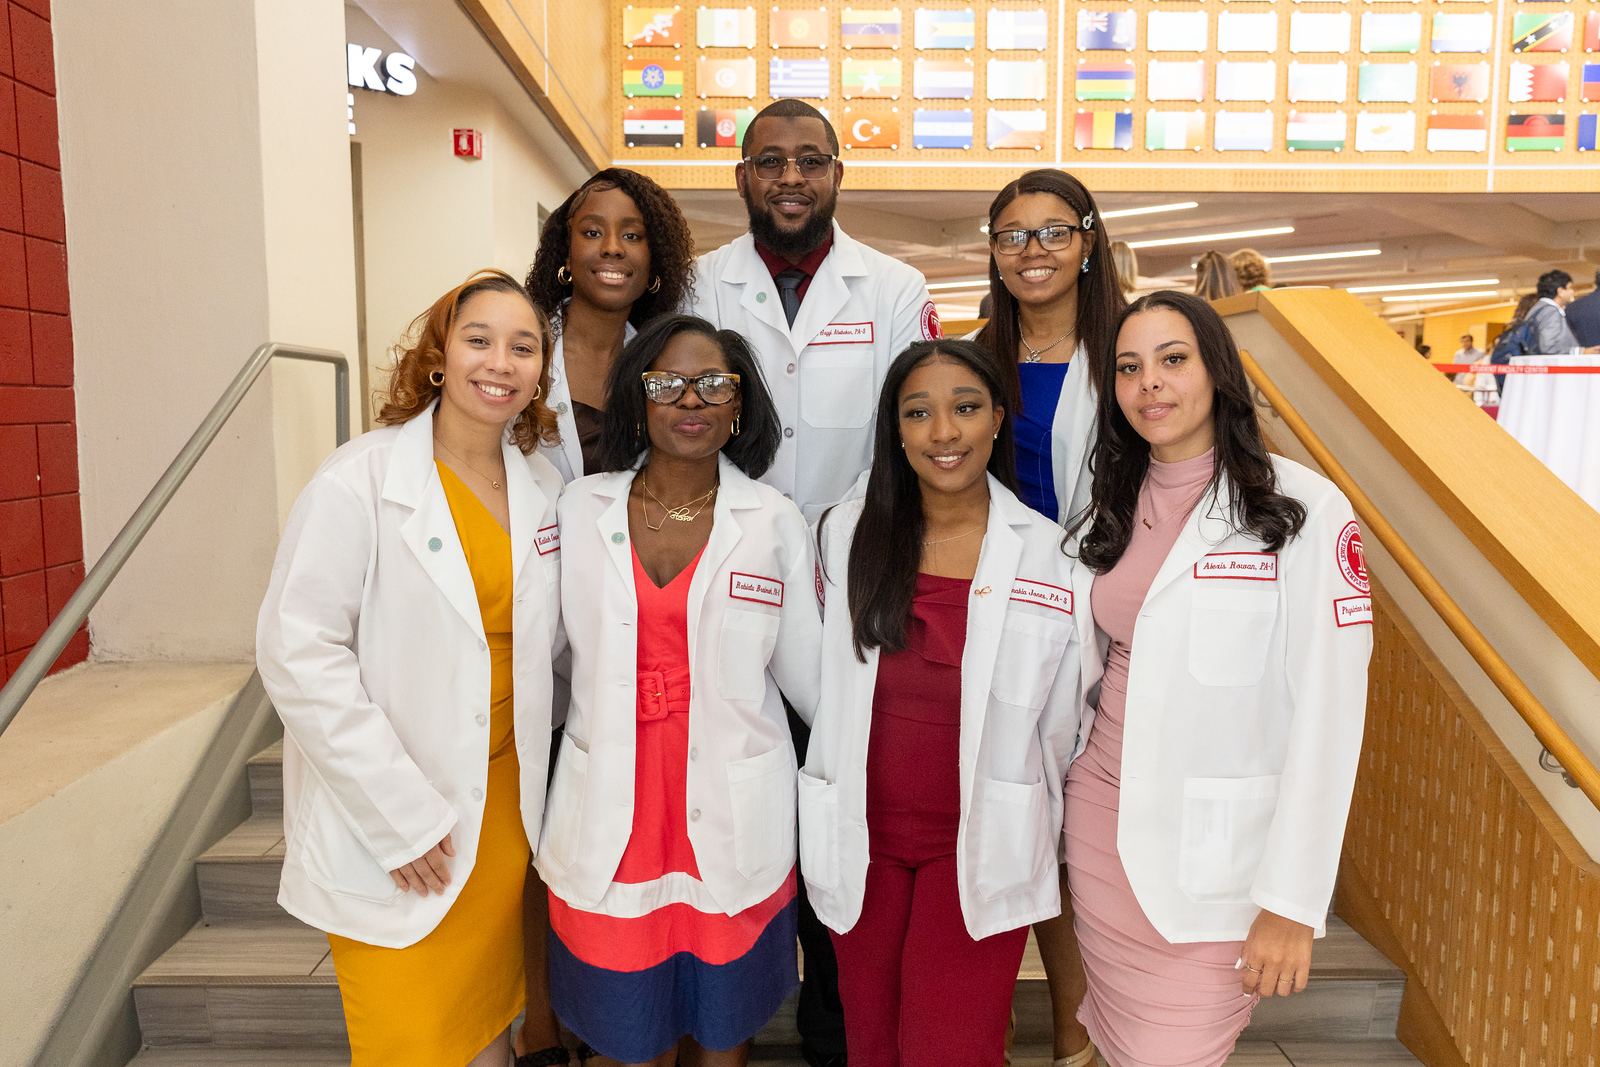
(1088, 221)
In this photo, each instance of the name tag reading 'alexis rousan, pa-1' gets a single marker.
(1251, 566)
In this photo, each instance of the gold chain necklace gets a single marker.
(680, 513)
(1036, 355)
(469, 466)
(957, 537)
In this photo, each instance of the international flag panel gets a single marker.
(869, 29)
(1174, 130)
(1459, 81)
(798, 27)
(1015, 129)
(652, 127)
(1175, 80)
(945, 29)
(1319, 31)
(1389, 131)
(871, 128)
(1386, 83)
(1541, 31)
(1325, 82)
(941, 129)
(1018, 79)
(1103, 129)
(1249, 31)
(1538, 81)
(942, 79)
(1108, 31)
(1322, 131)
(652, 77)
(725, 77)
(1244, 131)
(1458, 133)
(870, 77)
(1246, 81)
(1536, 133)
(725, 27)
(1462, 33)
(1397, 31)
(1105, 81)
(1175, 31)
(647, 27)
(798, 77)
(1591, 32)
(722, 128)
(1586, 131)
(1590, 88)
(1024, 30)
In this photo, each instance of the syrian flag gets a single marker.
(658, 127)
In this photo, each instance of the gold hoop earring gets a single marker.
(563, 275)
(736, 426)
(437, 377)
(655, 286)
(538, 391)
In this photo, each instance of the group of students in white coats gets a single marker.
(780, 633)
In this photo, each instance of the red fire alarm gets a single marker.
(469, 143)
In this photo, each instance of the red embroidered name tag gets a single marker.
(1251, 566)
(755, 588)
(844, 333)
(1353, 611)
(1042, 594)
(548, 540)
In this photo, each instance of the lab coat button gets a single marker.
(694, 753)
(483, 720)
(434, 544)
(477, 794)
(790, 368)
(694, 816)
(788, 431)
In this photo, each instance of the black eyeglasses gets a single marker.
(812, 165)
(1054, 238)
(665, 387)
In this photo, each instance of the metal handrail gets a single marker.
(56, 637)
(1544, 726)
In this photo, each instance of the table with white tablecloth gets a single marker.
(1557, 418)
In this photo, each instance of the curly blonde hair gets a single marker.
(411, 390)
(1251, 268)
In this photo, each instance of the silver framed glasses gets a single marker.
(665, 387)
(771, 167)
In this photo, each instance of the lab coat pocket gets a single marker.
(836, 387)
(563, 809)
(762, 789)
(1223, 836)
(1230, 631)
(819, 831)
(336, 860)
(1028, 658)
(748, 638)
(1016, 844)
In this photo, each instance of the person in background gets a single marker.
(1214, 277)
(1251, 270)
(1501, 354)
(1469, 352)
(930, 801)
(615, 254)
(1583, 316)
(406, 640)
(826, 315)
(1552, 335)
(669, 848)
(1224, 614)
(1425, 351)
(1126, 262)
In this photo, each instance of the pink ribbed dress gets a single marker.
(1150, 1003)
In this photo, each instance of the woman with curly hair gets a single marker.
(414, 753)
(615, 255)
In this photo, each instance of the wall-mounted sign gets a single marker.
(398, 70)
(468, 143)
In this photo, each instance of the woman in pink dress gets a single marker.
(1225, 618)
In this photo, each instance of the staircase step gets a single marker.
(265, 769)
(239, 874)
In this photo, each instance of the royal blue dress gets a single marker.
(1041, 392)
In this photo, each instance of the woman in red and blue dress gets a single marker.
(669, 846)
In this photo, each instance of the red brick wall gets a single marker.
(41, 535)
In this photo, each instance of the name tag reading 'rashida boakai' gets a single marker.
(755, 588)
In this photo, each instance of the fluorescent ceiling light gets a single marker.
(1236, 235)
(975, 283)
(1439, 296)
(1324, 255)
(1125, 212)
(1422, 285)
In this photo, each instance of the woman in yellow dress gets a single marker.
(406, 641)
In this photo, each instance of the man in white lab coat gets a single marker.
(826, 315)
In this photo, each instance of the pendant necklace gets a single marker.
(680, 513)
(1036, 355)
(470, 467)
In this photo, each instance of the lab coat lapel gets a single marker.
(1070, 433)
(735, 494)
(1206, 528)
(829, 292)
(986, 615)
(760, 296)
(613, 526)
(566, 420)
(526, 503)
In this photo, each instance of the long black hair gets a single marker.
(1100, 299)
(1121, 457)
(887, 547)
(623, 437)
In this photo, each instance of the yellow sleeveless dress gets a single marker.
(437, 1003)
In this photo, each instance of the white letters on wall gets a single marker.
(363, 70)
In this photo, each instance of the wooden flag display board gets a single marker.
(1263, 95)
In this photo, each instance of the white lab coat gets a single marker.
(753, 628)
(567, 454)
(1247, 697)
(862, 309)
(1019, 721)
(370, 643)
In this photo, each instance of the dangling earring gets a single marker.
(736, 426)
(563, 275)
(437, 377)
(655, 286)
(1085, 268)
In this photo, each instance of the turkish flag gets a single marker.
(871, 129)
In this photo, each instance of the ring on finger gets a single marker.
(1250, 968)
(1281, 981)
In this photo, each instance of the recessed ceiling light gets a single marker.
(1439, 296)
(1125, 212)
(1236, 235)
(1324, 255)
(1421, 285)
(973, 284)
